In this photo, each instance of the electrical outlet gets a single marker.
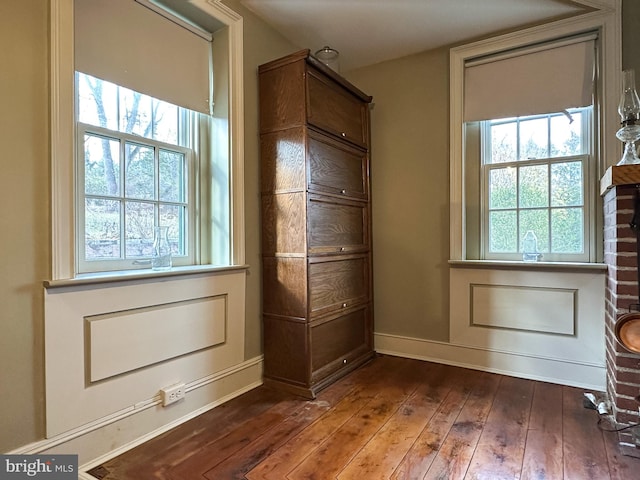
(172, 393)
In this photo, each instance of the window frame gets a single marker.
(588, 187)
(63, 137)
(605, 119)
(130, 263)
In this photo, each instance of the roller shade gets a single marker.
(545, 79)
(130, 45)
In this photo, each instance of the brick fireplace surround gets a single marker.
(618, 188)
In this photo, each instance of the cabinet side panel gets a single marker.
(282, 157)
(285, 286)
(284, 224)
(285, 340)
(282, 102)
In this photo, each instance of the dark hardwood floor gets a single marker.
(393, 418)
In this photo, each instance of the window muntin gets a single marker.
(534, 172)
(136, 171)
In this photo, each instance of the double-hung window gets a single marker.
(533, 178)
(529, 152)
(145, 129)
(136, 170)
(162, 54)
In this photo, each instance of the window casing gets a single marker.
(224, 216)
(465, 177)
(465, 228)
(535, 177)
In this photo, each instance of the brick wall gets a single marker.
(623, 367)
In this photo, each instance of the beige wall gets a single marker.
(631, 36)
(410, 192)
(24, 221)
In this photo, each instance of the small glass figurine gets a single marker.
(530, 247)
(161, 259)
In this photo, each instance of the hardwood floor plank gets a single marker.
(382, 454)
(331, 457)
(363, 379)
(238, 464)
(419, 457)
(216, 452)
(583, 442)
(500, 449)
(392, 418)
(543, 455)
(621, 467)
(283, 460)
(187, 440)
(292, 453)
(454, 456)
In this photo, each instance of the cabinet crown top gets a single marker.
(306, 56)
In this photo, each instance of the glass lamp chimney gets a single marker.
(629, 108)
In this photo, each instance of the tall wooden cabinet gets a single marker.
(316, 224)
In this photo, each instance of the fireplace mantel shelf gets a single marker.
(620, 175)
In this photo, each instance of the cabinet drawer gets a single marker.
(336, 167)
(336, 226)
(334, 109)
(337, 341)
(337, 283)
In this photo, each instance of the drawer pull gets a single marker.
(343, 134)
(344, 362)
(344, 305)
(343, 191)
(342, 249)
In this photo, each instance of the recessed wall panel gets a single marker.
(202, 309)
(545, 310)
(123, 341)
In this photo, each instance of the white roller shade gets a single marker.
(130, 45)
(546, 80)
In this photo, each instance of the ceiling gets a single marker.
(366, 32)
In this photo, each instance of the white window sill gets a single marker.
(515, 265)
(146, 274)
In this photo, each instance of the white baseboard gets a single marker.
(552, 370)
(110, 437)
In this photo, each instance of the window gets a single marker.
(221, 210)
(534, 172)
(136, 170)
(151, 147)
(510, 84)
